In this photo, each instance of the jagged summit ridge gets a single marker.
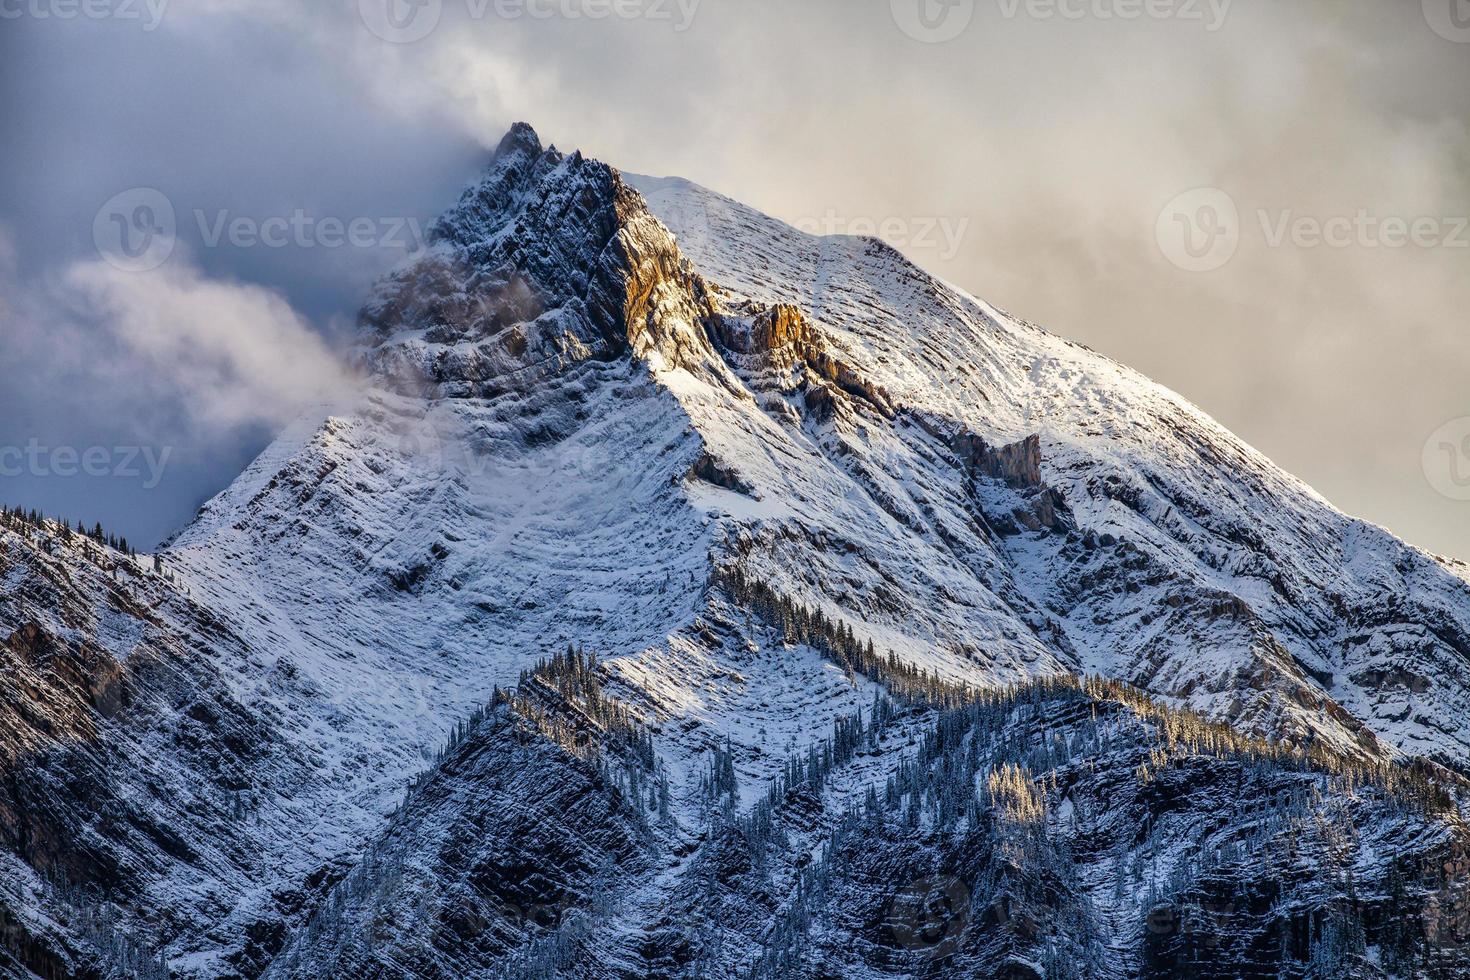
(522, 139)
(546, 261)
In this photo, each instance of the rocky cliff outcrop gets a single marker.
(547, 261)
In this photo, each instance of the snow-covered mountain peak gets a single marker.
(1203, 521)
(814, 511)
(547, 261)
(520, 140)
(989, 501)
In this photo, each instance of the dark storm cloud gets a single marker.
(231, 120)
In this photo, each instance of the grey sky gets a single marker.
(1028, 158)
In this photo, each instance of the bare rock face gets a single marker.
(1017, 465)
(548, 261)
(774, 348)
(1018, 468)
(778, 332)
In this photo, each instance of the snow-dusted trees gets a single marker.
(120, 949)
(718, 785)
(999, 766)
(21, 519)
(836, 640)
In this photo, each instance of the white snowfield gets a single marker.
(1321, 606)
(391, 560)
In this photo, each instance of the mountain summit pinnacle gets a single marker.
(521, 138)
(547, 261)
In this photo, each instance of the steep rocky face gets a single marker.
(547, 261)
(1019, 466)
(511, 838)
(843, 539)
(133, 772)
(779, 330)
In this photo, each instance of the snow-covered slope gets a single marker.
(742, 465)
(1230, 577)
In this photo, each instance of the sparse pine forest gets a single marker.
(21, 520)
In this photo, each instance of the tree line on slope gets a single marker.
(563, 698)
(17, 519)
(1416, 780)
(973, 773)
(1178, 736)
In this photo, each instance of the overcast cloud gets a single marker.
(1039, 146)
